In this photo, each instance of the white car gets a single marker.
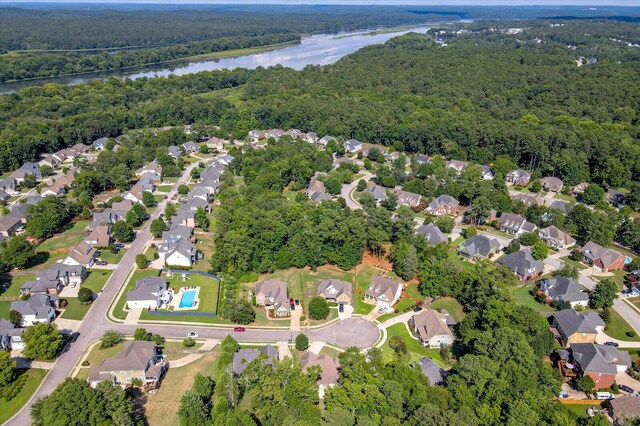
(192, 335)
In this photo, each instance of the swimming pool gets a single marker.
(187, 298)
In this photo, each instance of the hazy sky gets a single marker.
(364, 2)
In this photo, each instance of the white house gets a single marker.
(149, 293)
(38, 308)
(383, 292)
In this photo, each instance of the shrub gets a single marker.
(110, 338)
(85, 363)
(85, 295)
(302, 342)
(189, 342)
(318, 308)
(631, 333)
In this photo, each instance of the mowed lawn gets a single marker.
(9, 408)
(618, 327)
(95, 281)
(415, 349)
(451, 305)
(206, 245)
(162, 408)
(12, 284)
(66, 239)
(524, 297)
(5, 308)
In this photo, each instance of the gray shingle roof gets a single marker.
(479, 245)
(522, 263)
(432, 233)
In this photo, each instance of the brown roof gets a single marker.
(380, 286)
(625, 407)
(100, 235)
(329, 366)
(431, 323)
(82, 253)
(134, 356)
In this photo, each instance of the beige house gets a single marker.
(100, 236)
(136, 361)
(330, 369)
(82, 254)
(383, 292)
(432, 328)
(571, 326)
(335, 291)
(273, 294)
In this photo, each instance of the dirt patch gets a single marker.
(369, 259)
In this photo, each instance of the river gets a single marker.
(313, 50)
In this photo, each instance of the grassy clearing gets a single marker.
(578, 410)
(451, 305)
(169, 347)
(9, 408)
(61, 242)
(13, 283)
(44, 260)
(206, 245)
(162, 408)
(113, 258)
(524, 297)
(326, 350)
(416, 350)
(164, 188)
(5, 308)
(96, 279)
(618, 327)
(97, 354)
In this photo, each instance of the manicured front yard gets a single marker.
(113, 258)
(5, 308)
(579, 265)
(74, 309)
(96, 279)
(618, 327)
(9, 408)
(415, 349)
(118, 311)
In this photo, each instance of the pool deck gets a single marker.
(178, 298)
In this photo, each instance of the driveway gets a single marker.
(346, 191)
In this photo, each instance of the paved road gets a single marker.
(346, 191)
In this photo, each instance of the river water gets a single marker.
(314, 50)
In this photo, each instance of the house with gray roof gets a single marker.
(335, 291)
(190, 146)
(9, 185)
(38, 308)
(487, 173)
(422, 159)
(149, 293)
(456, 165)
(529, 199)
(600, 362)
(152, 167)
(174, 151)
(552, 184)
(273, 294)
(515, 224)
(27, 168)
(563, 289)
(379, 192)
(9, 224)
(406, 198)
(244, 357)
(10, 336)
(53, 279)
(522, 264)
(432, 371)
(136, 361)
(100, 144)
(624, 409)
(478, 247)
(200, 192)
(325, 140)
(444, 204)
(383, 292)
(180, 253)
(432, 234)
(518, 177)
(352, 145)
(577, 327)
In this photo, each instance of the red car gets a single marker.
(238, 329)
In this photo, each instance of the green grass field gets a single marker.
(44, 260)
(416, 350)
(9, 408)
(61, 242)
(524, 297)
(113, 258)
(451, 305)
(13, 282)
(618, 327)
(74, 309)
(97, 279)
(579, 265)
(5, 308)
(207, 247)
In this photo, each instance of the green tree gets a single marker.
(183, 189)
(16, 252)
(603, 295)
(157, 227)
(170, 210)
(147, 199)
(333, 186)
(48, 216)
(42, 341)
(189, 342)
(15, 318)
(239, 312)
(568, 271)
(85, 295)
(585, 384)
(362, 185)
(7, 364)
(469, 232)
(539, 250)
(318, 308)
(535, 186)
(157, 339)
(141, 334)
(302, 342)
(141, 261)
(110, 338)
(201, 219)
(445, 223)
(123, 232)
(593, 194)
(529, 238)
(136, 215)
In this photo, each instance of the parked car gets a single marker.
(341, 307)
(626, 389)
(291, 302)
(417, 309)
(293, 307)
(192, 335)
(119, 245)
(614, 344)
(101, 262)
(239, 329)
(74, 336)
(604, 395)
(297, 302)
(381, 310)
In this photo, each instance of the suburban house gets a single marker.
(378, 192)
(552, 184)
(432, 328)
(487, 173)
(406, 198)
(295, 133)
(9, 224)
(190, 146)
(478, 247)
(80, 148)
(616, 198)
(529, 199)
(444, 204)
(383, 292)
(522, 264)
(185, 217)
(601, 362)
(579, 188)
(335, 291)
(82, 254)
(151, 167)
(100, 144)
(108, 216)
(215, 143)
(603, 259)
(515, 224)
(149, 180)
(256, 135)
(149, 293)
(330, 369)
(244, 357)
(100, 236)
(174, 151)
(572, 327)
(456, 165)
(136, 361)
(562, 289)
(422, 159)
(27, 168)
(50, 161)
(274, 133)
(555, 238)
(518, 177)
(557, 205)
(352, 145)
(9, 185)
(38, 308)
(10, 336)
(312, 137)
(53, 279)
(432, 371)
(624, 409)
(60, 186)
(432, 234)
(180, 253)
(325, 140)
(316, 190)
(273, 294)
(135, 193)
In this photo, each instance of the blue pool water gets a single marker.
(187, 299)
